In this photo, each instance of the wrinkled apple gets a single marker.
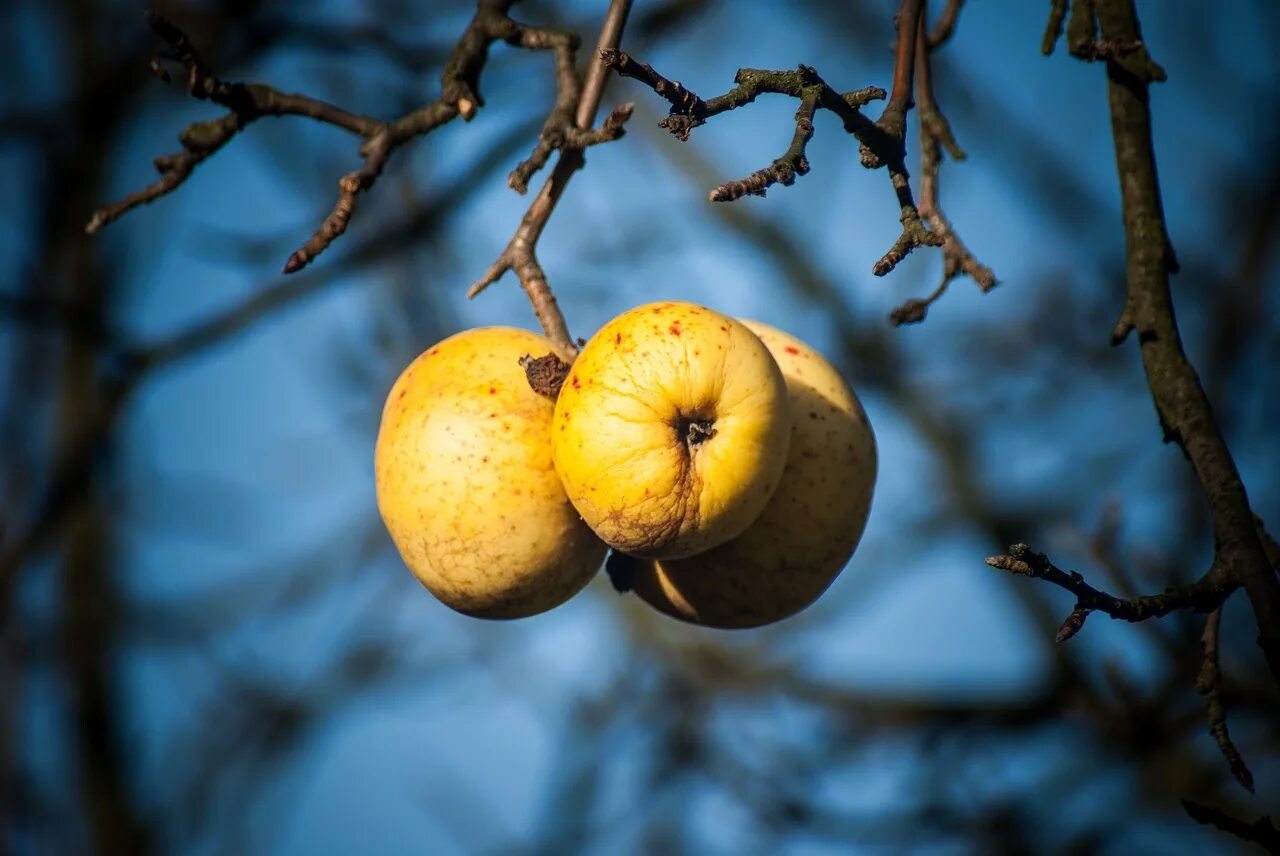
(671, 430)
(805, 536)
(466, 484)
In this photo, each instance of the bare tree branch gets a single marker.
(459, 96)
(881, 142)
(945, 26)
(1260, 832)
(1053, 29)
(520, 254)
(935, 135)
(893, 123)
(1204, 595)
(1209, 685)
(246, 102)
(1184, 411)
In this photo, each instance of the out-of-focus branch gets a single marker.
(945, 25)
(1053, 29)
(1083, 41)
(246, 102)
(520, 254)
(133, 364)
(1203, 595)
(1261, 832)
(935, 135)
(1209, 685)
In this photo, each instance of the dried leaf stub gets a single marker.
(545, 374)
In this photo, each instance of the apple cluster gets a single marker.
(728, 459)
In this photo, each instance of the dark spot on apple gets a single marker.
(813, 415)
(695, 432)
(576, 383)
(790, 349)
(674, 328)
(493, 391)
(617, 339)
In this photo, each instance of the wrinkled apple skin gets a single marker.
(671, 430)
(466, 484)
(805, 536)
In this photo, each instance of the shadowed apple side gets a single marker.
(806, 534)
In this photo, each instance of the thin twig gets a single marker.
(881, 142)
(1203, 595)
(1053, 29)
(785, 169)
(1261, 832)
(893, 124)
(935, 136)
(246, 102)
(688, 110)
(1209, 685)
(945, 25)
(1083, 42)
(459, 96)
(520, 254)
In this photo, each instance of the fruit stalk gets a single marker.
(520, 254)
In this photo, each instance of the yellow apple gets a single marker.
(466, 485)
(811, 526)
(671, 430)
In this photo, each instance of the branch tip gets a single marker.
(1072, 625)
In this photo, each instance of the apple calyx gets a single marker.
(695, 432)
